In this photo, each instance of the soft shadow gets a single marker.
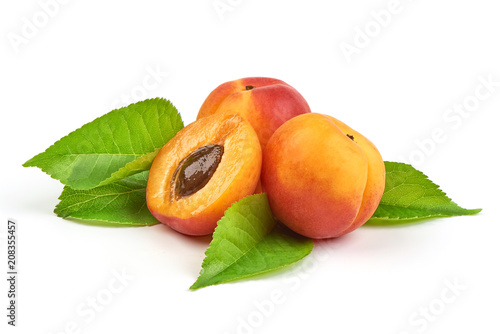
(160, 229)
(38, 202)
(399, 224)
(334, 242)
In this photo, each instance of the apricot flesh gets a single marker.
(323, 179)
(210, 164)
(265, 102)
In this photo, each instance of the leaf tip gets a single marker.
(29, 162)
(473, 211)
(58, 212)
(200, 283)
(194, 287)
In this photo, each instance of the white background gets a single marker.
(396, 90)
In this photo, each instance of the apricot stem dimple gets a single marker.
(196, 170)
(249, 87)
(350, 136)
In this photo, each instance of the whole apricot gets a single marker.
(323, 179)
(265, 102)
(201, 171)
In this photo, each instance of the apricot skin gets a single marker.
(319, 181)
(265, 102)
(236, 176)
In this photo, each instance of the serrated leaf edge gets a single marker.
(29, 162)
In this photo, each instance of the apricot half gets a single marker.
(201, 171)
(265, 102)
(323, 179)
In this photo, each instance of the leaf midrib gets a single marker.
(429, 212)
(94, 197)
(85, 154)
(242, 255)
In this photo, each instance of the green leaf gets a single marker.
(120, 143)
(122, 203)
(247, 242)
(409, 195)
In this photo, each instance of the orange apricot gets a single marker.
(323, 179)
(265, 102)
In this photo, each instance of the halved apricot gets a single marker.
(207, 166)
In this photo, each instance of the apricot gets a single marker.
(265, 102)
(323, 179)
(201, 171)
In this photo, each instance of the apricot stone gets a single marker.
(323, 179)
(265, 102)
(198, 174)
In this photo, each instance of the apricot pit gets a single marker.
(195, 170)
